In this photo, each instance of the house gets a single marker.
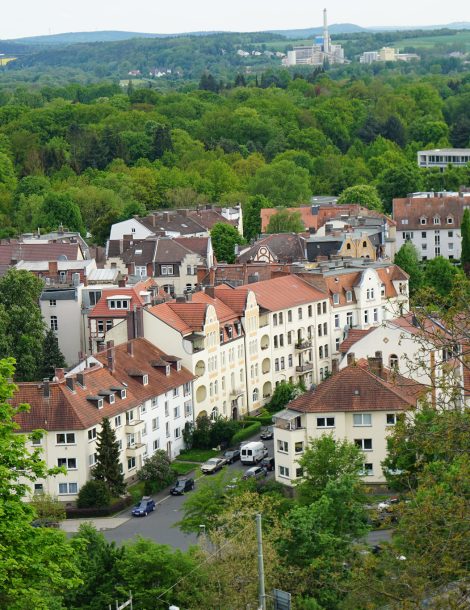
(12, 252)
(173, 261)
(443, 157)
(145, 393)
(238, 274)
(360, 403)
(356, 244)
(432, 222)
(275, 248)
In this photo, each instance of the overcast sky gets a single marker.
(34, 17)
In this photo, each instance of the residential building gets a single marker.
(321, 52)
(443, 157)
(171, 261)
(431, 223)
(178, 223)
(239, 274)
(275, 248)
(356, 244)
(360, 403)
(12, 252)
(146, 395)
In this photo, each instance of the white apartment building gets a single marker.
(443, 157)
(431, 223)
(146, 395)
(361, 403)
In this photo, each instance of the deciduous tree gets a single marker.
(285, 221)
(224, 239)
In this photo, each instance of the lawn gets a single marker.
(182, 468)
(136, 491)
(197, 455)
(431, 41)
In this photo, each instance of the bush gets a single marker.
(222, 431)
(94, 494)
(246, 432)
(264, 420)
(115, 507)
(157, 472)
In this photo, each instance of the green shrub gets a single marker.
(264, 420)
(246, 432)
(94, 494)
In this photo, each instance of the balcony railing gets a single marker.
(133, 426)
(135, 450)
(304, 344)
(302, 368)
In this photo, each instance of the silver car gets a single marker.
(212, 465)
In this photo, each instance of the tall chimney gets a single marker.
(110, 355)
(60, 374)
(334, 366)
(70, 383)
(326, 36)
(130, 348)
(376, 365)
(46, 389)
(350, 359)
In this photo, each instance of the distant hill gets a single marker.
(102, 36)
(335, 28)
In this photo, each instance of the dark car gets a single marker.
(145, 506)
(45, 523)
(267, 463)
(231, 456)
(256, 472)
(267, 434)
(181, 486)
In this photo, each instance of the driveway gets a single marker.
(158, 526)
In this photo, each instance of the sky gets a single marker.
(36, 17)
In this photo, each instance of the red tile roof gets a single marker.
(183, 317)
(411, 210)
(354, 335)
(356, 388)
(71, 410)
(101, 309)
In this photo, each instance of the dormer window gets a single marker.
(229, 331)
(145, 379)
(118, 303)
(450, 220)
(423, 220)
(121, 391)
(178, 365)
(167, 371)
(97, 401)
(436, 220)
(111, 399)
(348, 296)
(221, 336)
(335, 298)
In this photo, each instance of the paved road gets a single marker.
(158, 526)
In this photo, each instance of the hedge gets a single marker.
(121, 504)
(246, 432)
(265, 420)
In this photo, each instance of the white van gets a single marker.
(252, 453)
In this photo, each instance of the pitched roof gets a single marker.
(409, 211)
(224, 312)
(65, 409)
(283, 292)
(183, 317)
(13, 252)
(357, 388)
(101, 309)
(354, 335)
(284, 247)
(198, 245)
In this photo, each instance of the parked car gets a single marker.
(45, 523)
(231, 456)
(267, 433)
(267, 463)
(257, 472)
(212, 465)
(181, 486)
(388, 504)
(145, 506)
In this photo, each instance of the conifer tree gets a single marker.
(52, 357)
(465, 232)
(107, 460)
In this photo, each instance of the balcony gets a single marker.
(236, 392)
(303, 368)
(304, 344)
(135, 450)
(134, 426)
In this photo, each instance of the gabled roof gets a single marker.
(198, 245)
(357, 388)
(354, 335)
(407, 212)
(283, 292)
(224, 312)
(235, 299)
(284, 247)
(183, 317)
(102, 310)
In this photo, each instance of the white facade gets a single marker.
(442, 157)
(432, 242)
(133, 227)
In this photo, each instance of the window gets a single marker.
(129, 416)
(376, 315)
(283, 471)
(117, 421)
(349, 319)
(436, 220)
(299, 472)
(423, 234)
(370, 294)
(175, 392)
(337, 342)
(325, 328)
(38, 488)
(156, 444)
(275, 319)
(318, 308)
(53, 323)
(310, 311)
(94, 296)
(65, 438)
(325, 350)
(280, 318)
(255, 395)
(69, 463)
(283, 446)
(283, 366)
(450, 220)
(335, 298)
(451, 246)
(289, 315)
(119, 304)
(408, 235)
(366, 317)
(290, 360)
(143, 408)
(176, 412)
(36, 441)
(155, 423)
(167, 269)
(391, 419)
(188, 408)
(177, 432)
(299, 313)
(109, 325)
(348, 296)
(325, 422)
(100, 325)
(423, 220)
(187, 389)
(68, 488)
(450, 234)
(320, 330)
(362, 419)
(320, 351)
(393, 361)
(324, 306)
(276, 343)
(92, 459)
(281, 340)
(145, 379)
(367, 469)
(289, 338)
(276, 364)
(299, 447)
(336, 320)
(131, 463)
(52, 303)
(364, 443)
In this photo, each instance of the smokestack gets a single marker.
(110, 355)
(326, 36)
(46, 390)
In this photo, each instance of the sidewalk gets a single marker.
(100, 523)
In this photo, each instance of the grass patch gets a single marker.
(136, 491)
(181, 468)
(197, 455)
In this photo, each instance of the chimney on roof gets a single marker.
(60, 374)
(122, 283)
(130, 348)
(376, 365)
(350, 358)
(334, 366)
(111, 352)
(81, 379)
(70, 383)
(53, 268)
(46, 388)
(210, 290)
(166, 216)
(189, 297)
(181, 299)
(183, 212)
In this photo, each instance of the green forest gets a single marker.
(87, 155)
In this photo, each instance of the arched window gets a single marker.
(348, 246)
(214, 413)
(275, 319)
(364, 244)
(393, 361)
(255, 395)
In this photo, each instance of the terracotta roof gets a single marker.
(198, 245)
(411, 210)
(235, 299)
(283, 292)
(354, 335)
(224, 312)
(209, 217)
(101, 309)
(74, 410)
(183, 317)
(356, 388)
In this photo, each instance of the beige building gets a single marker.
(361, 403)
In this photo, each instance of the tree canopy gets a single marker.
(285, 221)
(224, 240)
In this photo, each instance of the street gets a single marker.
(159, 525)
